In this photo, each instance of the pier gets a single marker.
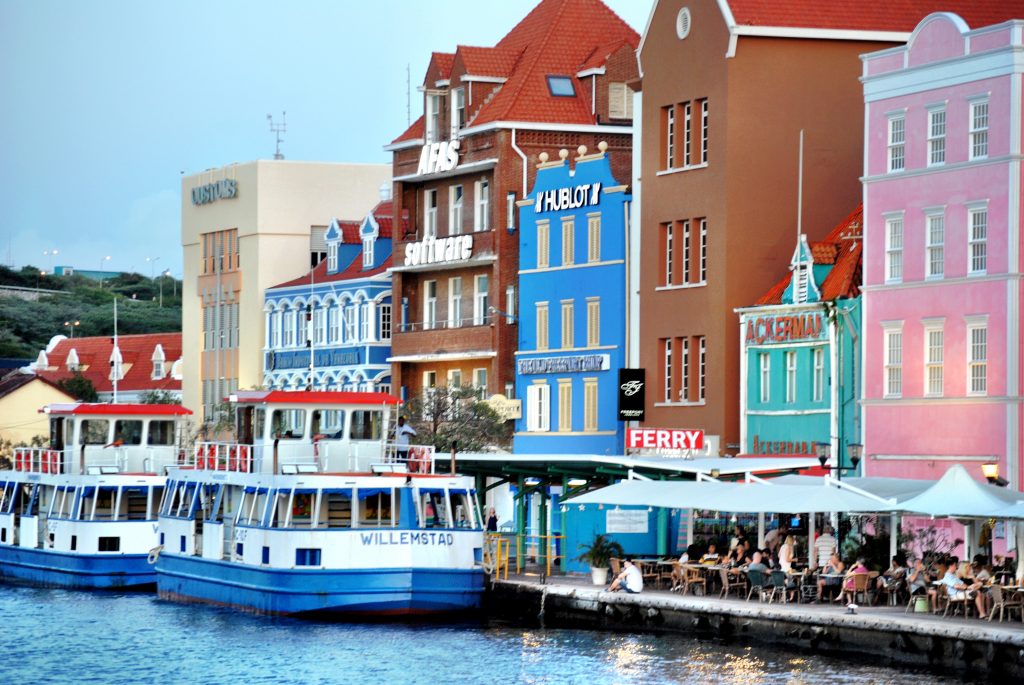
(970, 647)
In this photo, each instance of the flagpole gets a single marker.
(114, 366)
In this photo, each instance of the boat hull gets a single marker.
(354, 592)
(47, 568)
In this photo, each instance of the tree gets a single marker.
(79, 387)
(158, 397)
(443, 415)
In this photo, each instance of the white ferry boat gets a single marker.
(81, 512)
(313, 511)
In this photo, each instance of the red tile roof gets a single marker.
(487, 61)
(136, 357)
(601, 54)
(868, 15)
(442, 61)
(416, 131)
(843, 249)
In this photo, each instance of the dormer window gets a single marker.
(367, 252)
(433, 117)
(458, 111)
(332, 257)
(116, 365)
(72, 360)
(561, 87)
(158, 369)
(620, 101)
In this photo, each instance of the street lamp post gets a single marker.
(51, 254)
(152, 264)
(73, 325)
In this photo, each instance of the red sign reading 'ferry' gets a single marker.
(664, 438)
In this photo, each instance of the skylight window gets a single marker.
(561, 86)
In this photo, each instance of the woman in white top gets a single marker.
(786, 554)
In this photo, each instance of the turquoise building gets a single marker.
(800, 347)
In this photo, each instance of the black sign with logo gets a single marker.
(631, 394)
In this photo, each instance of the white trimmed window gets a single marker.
(593, 237)
(481, 299)
(702, 369)
(538, 407)
(979, 129)
(350, 322)
(977, 358)
(666, 356)
(429, 213)
(897, 138)
(364, 322)
(510, 211)
(455, 302)
(384, 316)
(335, 323)
(687, 134)
(593, 321)
(288, 326)
(458, 111)
(670, 135)
(429, 304)
(564, 405)
(568, 240)
(684, 369)
(703, 132)
(303, 334)
(543, 244)
(936, 136)
(670, 237)
(455, 210)
(894, 249)
(542, 325)
(482, 206)
(893, 360)
(935, 238)
(276, 318)
(684, 277)
(764, 367)
(977, 240)
(368, 252)
(818, 383)
(433, 117)
(620, 101)
(568, 323)
(319, 325)
(791, 376)
(589, 404)
(332, 257)
(480, 382)
(933, 359)
(703, 251)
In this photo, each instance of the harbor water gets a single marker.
(58, 636)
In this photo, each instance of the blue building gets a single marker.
(572, 290)
(335, 321)
(800, 365)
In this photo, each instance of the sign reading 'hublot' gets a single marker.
(561, 199)
(432, 250)
(211, 192)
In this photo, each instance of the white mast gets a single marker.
(115, 367)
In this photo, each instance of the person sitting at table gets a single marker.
(630, 580)
(893, 576)
(956, 588)
(833, 568)
(711, 556)
(757, 564)
(849, 582)
(982, 579)
(786, 554)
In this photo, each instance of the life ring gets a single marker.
(154, 554)
(244, 459)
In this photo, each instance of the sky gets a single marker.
(105, 103)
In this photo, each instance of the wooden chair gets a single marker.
(616, 566)
(665, 574)
(861, 587)
(1002, 603)
(962, 602)
(677, 577)
(694, 578)
(730, 582)
(650, 573)
(758, 583)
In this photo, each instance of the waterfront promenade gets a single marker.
(969, 646)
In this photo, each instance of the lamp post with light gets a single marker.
(72, 325)
(854, 451)
(152, 265)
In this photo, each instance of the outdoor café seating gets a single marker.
(694, 580)
(777, 583)
(732, 583)
(1004, 603)
(758, 583)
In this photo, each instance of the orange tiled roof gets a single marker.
(416, 131)
(136, 357)
(869, 15)
(479, 61)
(443, 61)
(843, 249)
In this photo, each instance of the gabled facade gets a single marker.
(800, 343)
(557, 79)
(331, 329)
(942, 208)
(572, 324)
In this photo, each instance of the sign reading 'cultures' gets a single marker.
(786, 328)
(433, 250)
(560, 199)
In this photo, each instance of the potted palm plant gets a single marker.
(597, 554)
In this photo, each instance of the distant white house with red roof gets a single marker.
(141, 363)
(331, 328)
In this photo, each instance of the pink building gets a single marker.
(943, 258)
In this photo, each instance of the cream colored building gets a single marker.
(22, 395)
(246, 227)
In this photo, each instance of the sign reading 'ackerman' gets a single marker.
(570, 364)
(211, 192)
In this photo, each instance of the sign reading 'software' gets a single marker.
(438, 157)
(631, 394)
(785, 328)
(433, 250)
(211, 192)
(561, 199)
(570, 364)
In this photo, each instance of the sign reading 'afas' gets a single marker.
(438, 157)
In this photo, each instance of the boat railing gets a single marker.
(38, 460)
(224, 456)
(414, 458)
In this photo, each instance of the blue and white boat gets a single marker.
(81, 512)
(312, 511)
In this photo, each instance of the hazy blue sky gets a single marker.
(104, 103)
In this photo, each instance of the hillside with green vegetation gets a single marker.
(27, 326)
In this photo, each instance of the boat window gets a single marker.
(253, 507)
(161, 433)
(259, 423)
(303, 509)
(29, 500)
(6, 497)
(110, 544)
(331, 423)
(64, 502)
(98, 504)
(289, 424)
(128, 432)
(375, 508)
(336, 510)
(366, 425)
(433, 508)
(307, 557)
(94, 431)
(57, 433)
(462, 509)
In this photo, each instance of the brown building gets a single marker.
(557, 80)
(727, 88)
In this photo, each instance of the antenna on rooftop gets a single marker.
(278, 129)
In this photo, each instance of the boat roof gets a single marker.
(100, 409)
(321, 397)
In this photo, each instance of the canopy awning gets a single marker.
(957, 494)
